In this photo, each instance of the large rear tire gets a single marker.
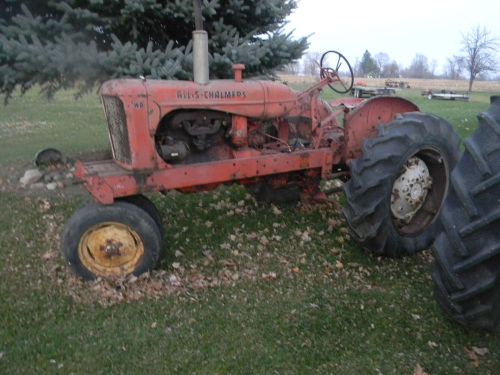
(398, 184)
(466, 270)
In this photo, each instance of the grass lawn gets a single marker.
(243, 289)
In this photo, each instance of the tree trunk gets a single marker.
(471, 81)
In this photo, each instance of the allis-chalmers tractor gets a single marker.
(193, 136)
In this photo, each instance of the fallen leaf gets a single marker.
(432, 344)
(480, 351)
(328, 269)
(174, 280)
(276, 210)
(264, 241)
(225, 246)
(419, 370)
(473, 358)
(132, 279)
(305, 236)
(49, 255)
(269, 276)
(228, 263)
(44, 205)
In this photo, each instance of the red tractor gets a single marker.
(194, 136)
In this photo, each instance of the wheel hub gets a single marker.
(410, 189)
(111, 249)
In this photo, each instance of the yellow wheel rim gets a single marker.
(110, 249)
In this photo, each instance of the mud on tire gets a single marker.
(466, 270)
(371, 206)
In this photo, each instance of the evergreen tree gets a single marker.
(368, 65)
(60, 44)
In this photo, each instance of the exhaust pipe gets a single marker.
(200, 57)
(200, 47)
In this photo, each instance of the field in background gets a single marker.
(243, 289)
(420, 84)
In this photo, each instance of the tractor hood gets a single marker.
(124, 88)
(258, 99)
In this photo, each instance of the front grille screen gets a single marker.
(117, 126)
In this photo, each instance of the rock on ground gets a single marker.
(51, 186)
(31, 176)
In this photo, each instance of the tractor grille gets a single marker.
(117, 127)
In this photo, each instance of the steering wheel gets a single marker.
(335, 65)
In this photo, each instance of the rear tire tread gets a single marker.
(468, 250)
(475, 153)
(461, 190)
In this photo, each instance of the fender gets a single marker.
(362, 122)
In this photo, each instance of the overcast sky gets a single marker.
(399, 28)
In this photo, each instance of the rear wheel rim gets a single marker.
(424, 178)
(410, 189)
(110, 249)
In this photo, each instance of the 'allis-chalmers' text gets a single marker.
(198, 94)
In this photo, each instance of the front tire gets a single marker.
(466, 270)
(398, 184)
(111, 241)
(145, 203)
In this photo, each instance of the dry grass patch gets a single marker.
(415, 83)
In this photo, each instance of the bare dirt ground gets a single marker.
(415, 83)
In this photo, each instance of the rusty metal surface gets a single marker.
(361, 123)
(132, 94)
(106, 181)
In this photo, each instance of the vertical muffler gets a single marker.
(200, 47)
(200, 57)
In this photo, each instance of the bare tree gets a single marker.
(479, 48)
(419, 67)
(454, 67)
(391, 70)
(311, 63)
(432, 67)
(382, 60)
(292, 68)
